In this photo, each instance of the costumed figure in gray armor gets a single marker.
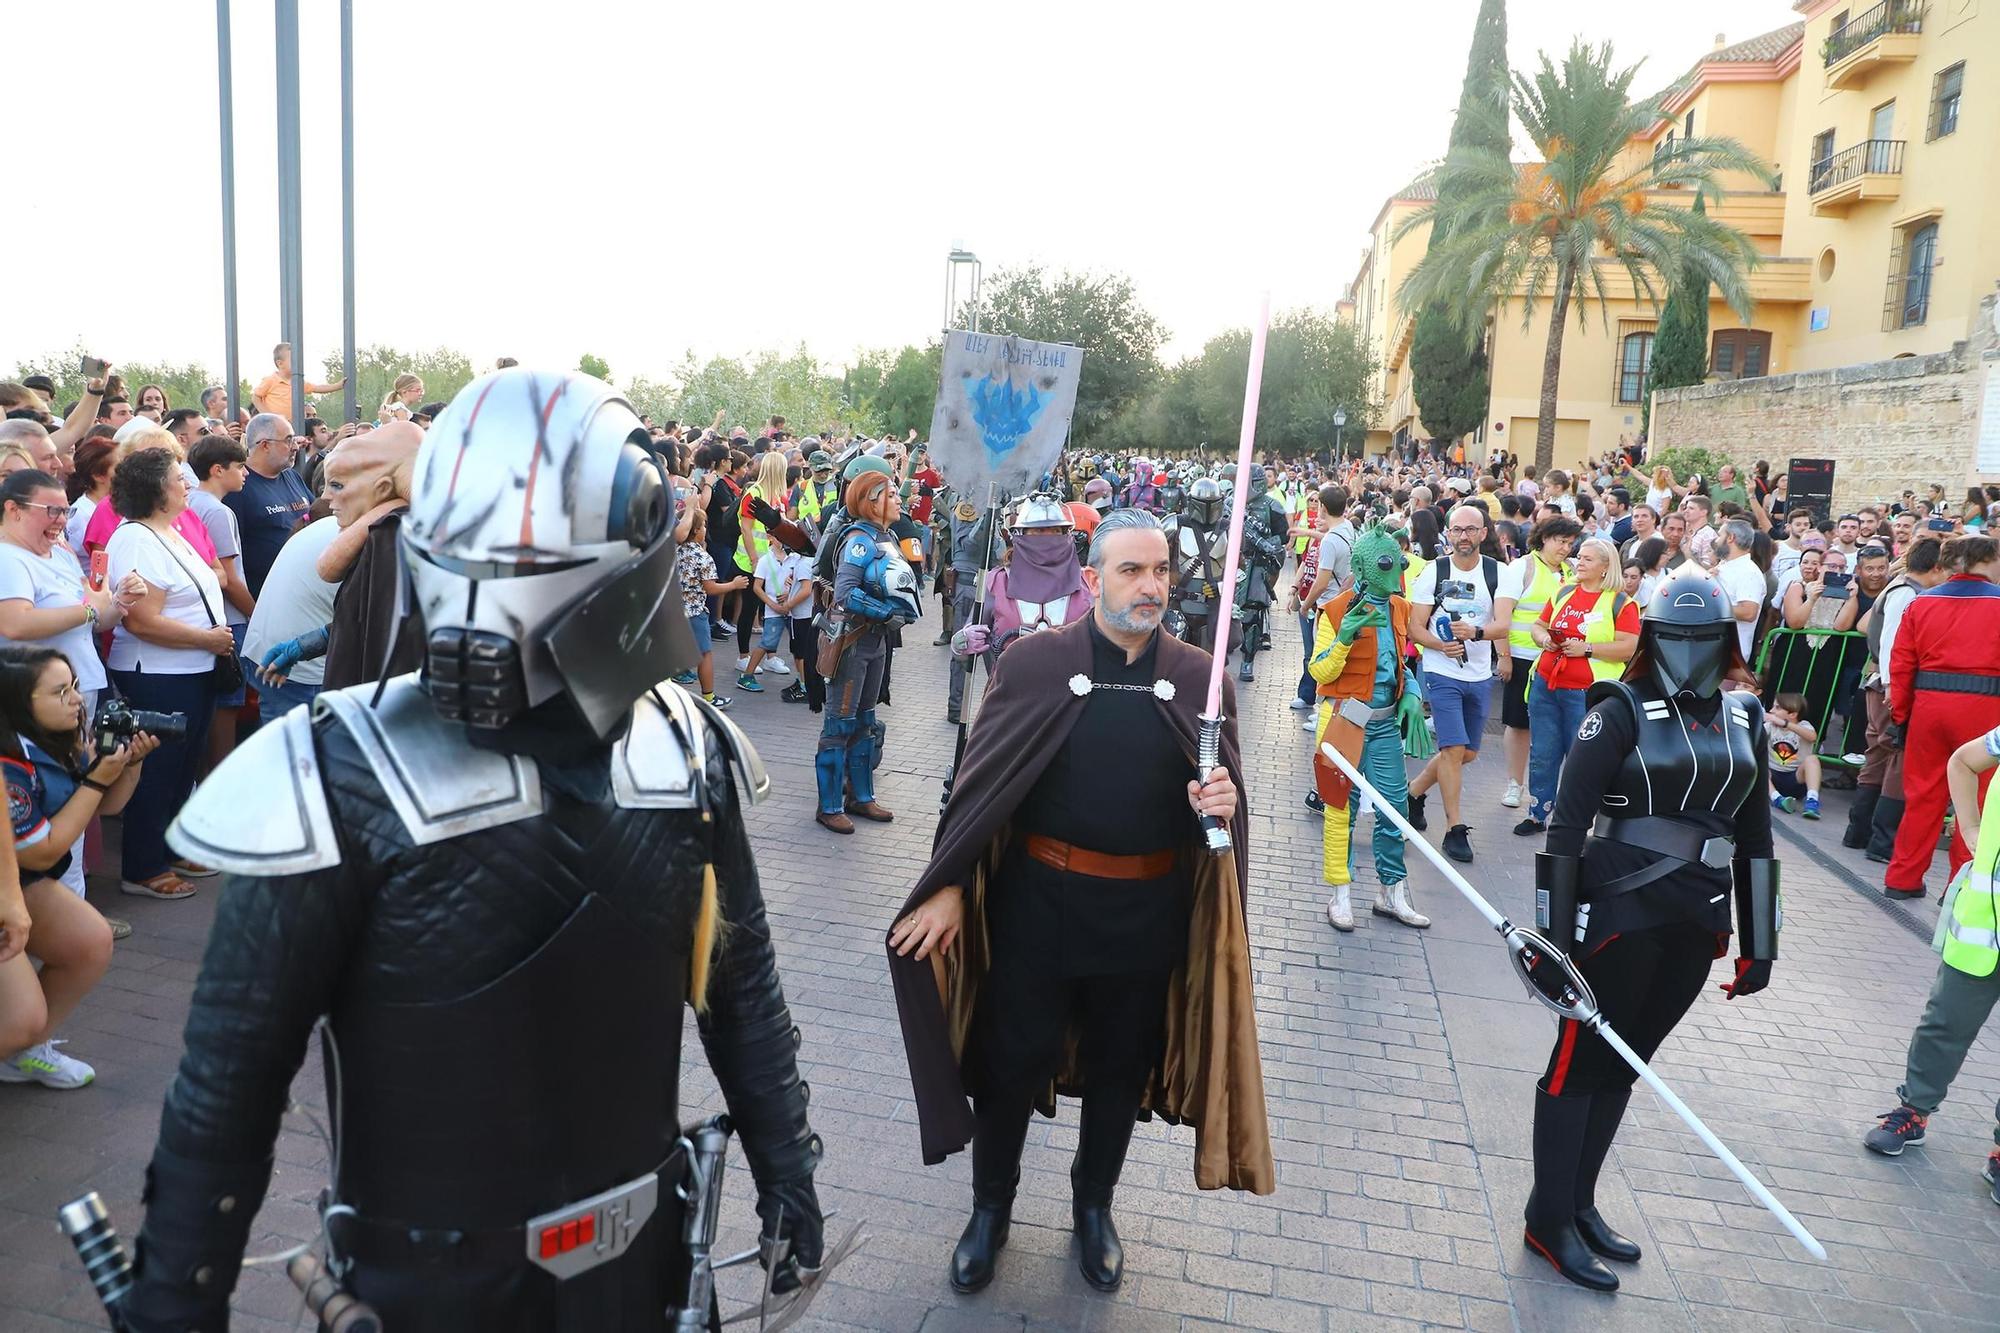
(527, 846)
(1262, 557)
(1197, 536)
(874, 593)
(1661, 819)
(1041, 588)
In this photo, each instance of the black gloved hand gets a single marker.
(1751, 977)
(1895, 734)
(763, 512)
(791, 1207)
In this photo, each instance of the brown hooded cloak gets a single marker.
(1211, 1076)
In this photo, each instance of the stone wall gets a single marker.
(1889, 426)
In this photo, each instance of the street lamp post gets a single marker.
(960, 257)
(1339, 424)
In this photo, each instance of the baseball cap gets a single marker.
(820, 458)
(1459, 484)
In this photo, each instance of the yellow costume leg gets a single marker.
(1336, 824)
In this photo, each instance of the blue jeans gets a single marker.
(168, 775)
(1308, 687)
(274, 701)
(1553, 717)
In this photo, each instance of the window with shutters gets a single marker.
(1945, 90)
(1821, 161)
(1907, 304)
(1740, 354)
(1687, 127)
(1635, 360)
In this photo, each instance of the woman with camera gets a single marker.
(166, 656)
(56, 784)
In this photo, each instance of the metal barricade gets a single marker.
(1825, 667)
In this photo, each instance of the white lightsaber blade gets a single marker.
(1585, 1010)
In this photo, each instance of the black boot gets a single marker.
(1882, 833)
(1106, 1132)
(1861, 817)
(999, 1128)
(1560, 1126)
(1607, 1109)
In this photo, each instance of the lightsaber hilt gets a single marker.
(109, 1268)
(1208, 758)
(336, 1309)
(707, 1148)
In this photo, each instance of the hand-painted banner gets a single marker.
(1003, 410)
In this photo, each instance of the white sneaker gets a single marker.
(46, 1065)
(1512, 800)
(773, 667)
(1394, 900)
(1309, 724)
(743, 663)
(1339, 911)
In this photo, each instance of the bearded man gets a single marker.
(1072, 932)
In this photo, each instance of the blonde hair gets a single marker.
(147, 437)
(1612, 567)
(12, 451)
(1663, 476)
(770, 481)
(406, 380)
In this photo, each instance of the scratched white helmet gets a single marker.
(539, 545)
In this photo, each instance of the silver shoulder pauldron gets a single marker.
(265, 811)
(655, 763)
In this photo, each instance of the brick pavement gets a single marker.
(1399, 1068)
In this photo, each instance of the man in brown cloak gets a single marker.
(1072, 933)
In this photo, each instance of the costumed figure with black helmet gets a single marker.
(530, 845)
(970, 538)
(1197, 538)
(1266, 524)
(1661, 822)
(874, 594)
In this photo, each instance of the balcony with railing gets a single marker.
(1871, 169)
(1888, 34)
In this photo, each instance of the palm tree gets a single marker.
(1562, 225)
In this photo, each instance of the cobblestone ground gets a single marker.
(1399, 1068)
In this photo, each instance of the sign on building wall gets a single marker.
(1819, 317)
(1986, 454)
(1809, 485)
(1003, 410)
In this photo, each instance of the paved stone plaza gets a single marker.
(1398, 1065)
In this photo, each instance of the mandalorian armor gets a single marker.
(494, 886)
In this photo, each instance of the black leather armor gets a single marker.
(1681, 763)
(502, 949)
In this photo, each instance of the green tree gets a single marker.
(443, 371)
(1585, 213)
(1449, 371)
(1680, 347)
(908, 394)
(594, 366)
(183, 383)
(792, 386)
(1120, 337)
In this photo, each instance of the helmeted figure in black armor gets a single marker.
(1266, 525)
(1661, 820)
(499, 880)
(1197, 537)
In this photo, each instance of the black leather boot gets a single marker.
(999, 1128)
(1861, 817)
(1607, 1109)
(1882, 834)
(1106, 1132)
(1560, 1126)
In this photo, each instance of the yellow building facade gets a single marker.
(1881, 238)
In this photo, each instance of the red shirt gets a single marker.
(920, 504)
(1574, 673)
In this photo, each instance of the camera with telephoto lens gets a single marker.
(119, 721)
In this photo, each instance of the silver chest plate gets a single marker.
(579, 1237)
(264, 811)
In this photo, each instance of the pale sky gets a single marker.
(638, 179)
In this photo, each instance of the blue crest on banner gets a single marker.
(1003, 412)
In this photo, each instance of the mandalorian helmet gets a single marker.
(1689, 636)
(1040, 510)
(1260, 481)
(1097, 494)
(1203, 504)
(539, 548)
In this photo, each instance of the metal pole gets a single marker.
(232, 375)
(291, 286)
(347, 353)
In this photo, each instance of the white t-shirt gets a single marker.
(79, 520)
(1336, 559)
(194, 595)
(782, 571)
(50, 582)
(220, 520)
(296, 600)
(1742, 581)
(1475, 605)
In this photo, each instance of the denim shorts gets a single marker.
(237, 697)
(774, 630)
(699, 624)
(1458, 707)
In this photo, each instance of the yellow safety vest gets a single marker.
(1599, 624)
(751, 539)
(1296, 505)
(1528, 609)
(1968, 929)
(809, 501)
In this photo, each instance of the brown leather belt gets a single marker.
(1099, 865)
